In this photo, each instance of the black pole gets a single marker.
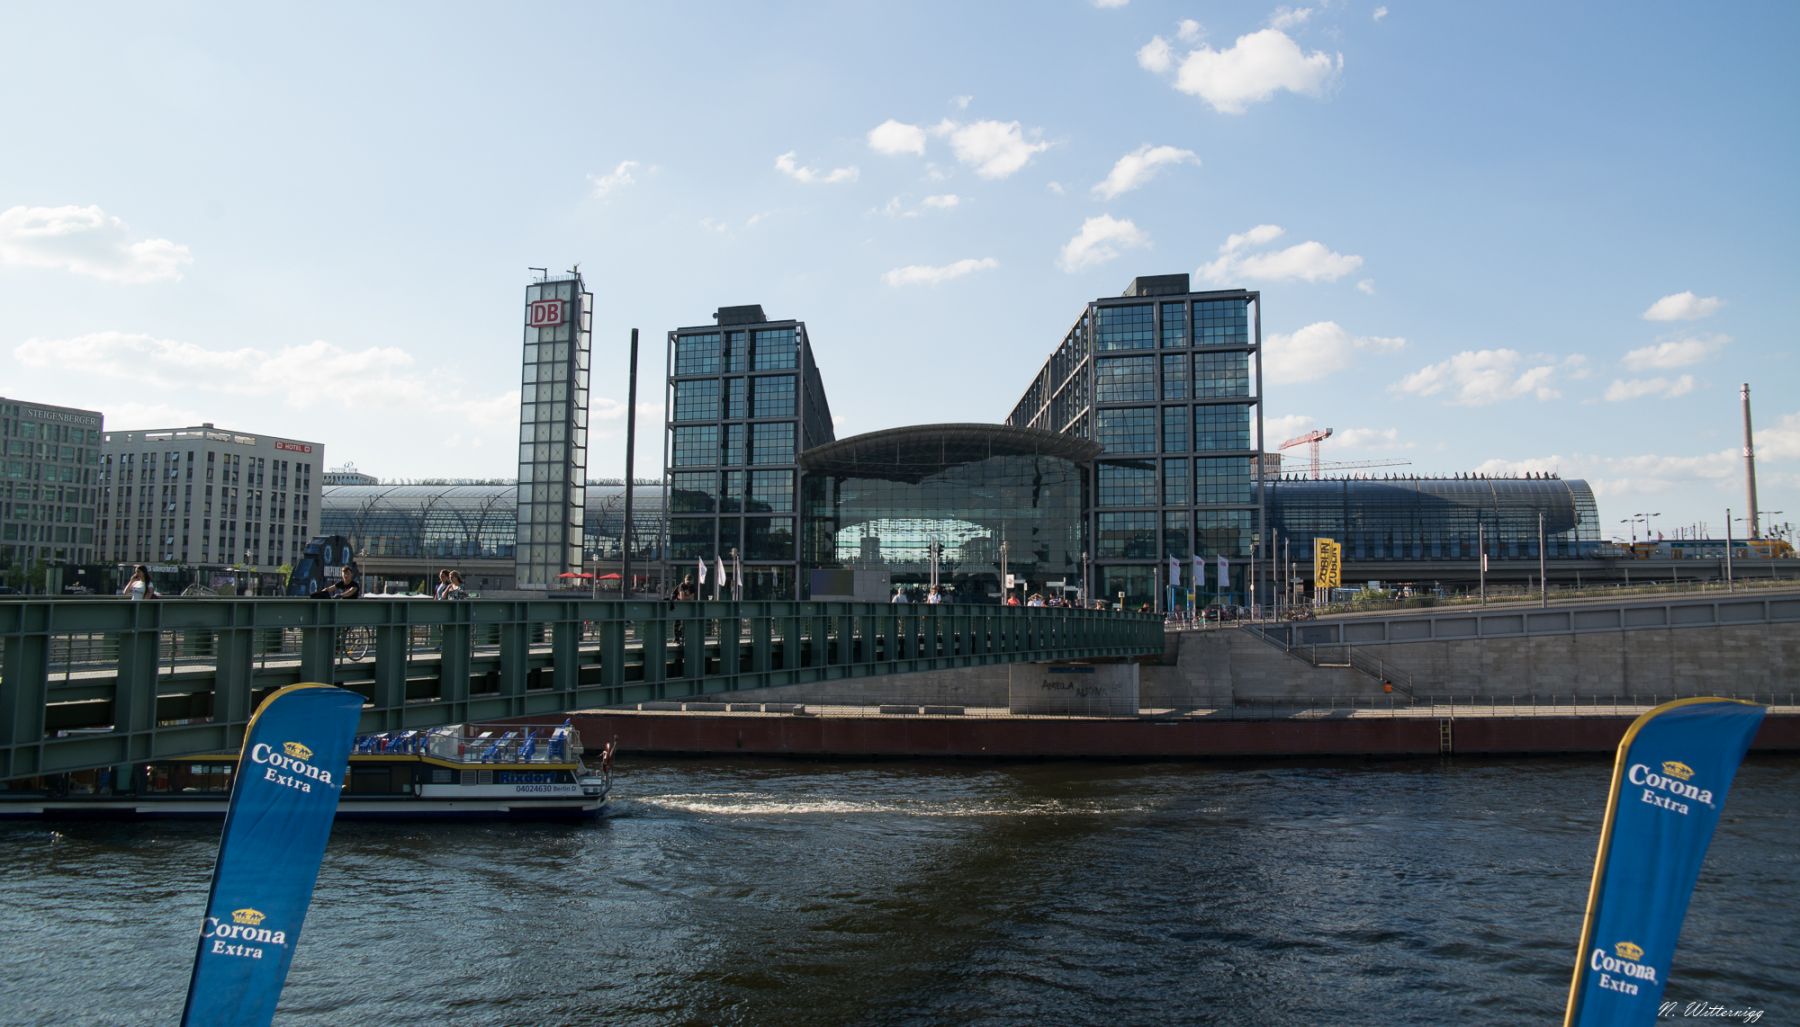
(630, 464)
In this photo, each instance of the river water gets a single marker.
(765, 892)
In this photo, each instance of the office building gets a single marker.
(1169, 383)
(744, 401)
(553, 417)
(49, 488)
(203, 497)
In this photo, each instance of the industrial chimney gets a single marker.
(1750, 465)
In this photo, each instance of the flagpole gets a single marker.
(630, 464)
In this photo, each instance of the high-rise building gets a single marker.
(1169, 382)
(49, 482)
(553, 417)
(745, 399)
(206, 497)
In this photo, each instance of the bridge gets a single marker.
(90, 683)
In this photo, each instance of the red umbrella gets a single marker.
(609, 577)
(572, 574)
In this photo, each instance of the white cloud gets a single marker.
(86, 241)
(896, 137)
(1380, 13)
(1100, 240)
(943, 201)
(181, 368)
(1189, 30)
(995, 149)
(1480, 377)
(1309, 261)
(1055, 187)
(1638, 388)
(962, 102)
(1503, 468)
(617, 178)
(1155, 55)
(1254, 69)
(714, 225)
(1103, 4)
(1683, 306)
(811, 176)
(1675, 353)
(924, 274)
(1140, 166)
(1318, 350)
(897, 207)
(1366, 286)
(1287, 17)
(1368, 438)
(1277, 430)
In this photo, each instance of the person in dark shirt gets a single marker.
(343, 588)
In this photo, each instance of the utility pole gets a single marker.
(1728, 582)
(1543, 580)
(1481, 547)
(630, 464)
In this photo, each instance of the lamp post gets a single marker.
(1005, 589)
(250, 569)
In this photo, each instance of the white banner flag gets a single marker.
(719, 562)
(700, 562)
(1199, 572)
(1224, 573)
(1174, 572)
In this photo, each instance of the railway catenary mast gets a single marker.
(1749, 466)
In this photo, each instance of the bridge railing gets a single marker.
(103, 682)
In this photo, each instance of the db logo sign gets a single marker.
(545, 313)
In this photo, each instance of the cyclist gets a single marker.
(344, 588)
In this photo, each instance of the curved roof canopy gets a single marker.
(918, 451)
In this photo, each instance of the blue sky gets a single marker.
(1488, 237)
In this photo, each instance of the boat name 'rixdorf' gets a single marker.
(275, 760)
(1649, 779)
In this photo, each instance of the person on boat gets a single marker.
(443, 584)
(935, 596)
(899, 596)
(1012, 599)
(139, 587)
(343, 588)
(453, 587)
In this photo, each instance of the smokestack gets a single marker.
(1750, 464)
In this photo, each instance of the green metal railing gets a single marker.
(88, 683)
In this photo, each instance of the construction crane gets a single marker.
(1313, 438)
(1357, 465)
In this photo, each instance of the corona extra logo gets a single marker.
(1677, 769)
(242, 938)
(299, 751)
(1629, 950)
(1668, 789)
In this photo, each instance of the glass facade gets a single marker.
(745, 398)
(446, 523)
(1435, 518)
(1186, 416)
(49, 483)
(553, 415)
(874, 504)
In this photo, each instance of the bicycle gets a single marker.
(354, 643)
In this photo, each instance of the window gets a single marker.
(696, 446)
(1175, 482)
(1222, 323)
(1128, 430)
(1128, 534)
(1128, 484)
(1222, 481)
(1175, 376)
(735, 407)
(772, 444)
(774, 396)
(1221, 375)
(1124, 379)
(692, 492)
(1225, 532)
(736, 352)
(772, 491)
(697, 400)
(1124, 328)
(1225, 426)
(690, 537)
(769, 538)
(697, 354)
(776, 350)
(1175, 536)
(1175, 429)
(1174, 325)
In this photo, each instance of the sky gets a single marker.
(1494, 238)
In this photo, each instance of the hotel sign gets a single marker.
(294, 447)
(546, 313)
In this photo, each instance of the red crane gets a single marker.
(1314, 437)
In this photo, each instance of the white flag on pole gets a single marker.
(1224, 573)
(1199, 572)
(719, 562)
(1174, 572)
(700, 562)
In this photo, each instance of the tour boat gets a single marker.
(511, 771)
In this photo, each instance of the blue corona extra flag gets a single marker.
(283, 799)
(1674, 769)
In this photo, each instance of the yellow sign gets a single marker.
(1328, 563)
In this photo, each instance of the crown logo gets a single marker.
(247, 917)
(1677, 769)
(1627, 950)
(301, 752)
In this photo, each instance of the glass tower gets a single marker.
(1168, 381)
(745, 399)
(553, 415)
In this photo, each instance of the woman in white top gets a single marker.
(139, 586)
